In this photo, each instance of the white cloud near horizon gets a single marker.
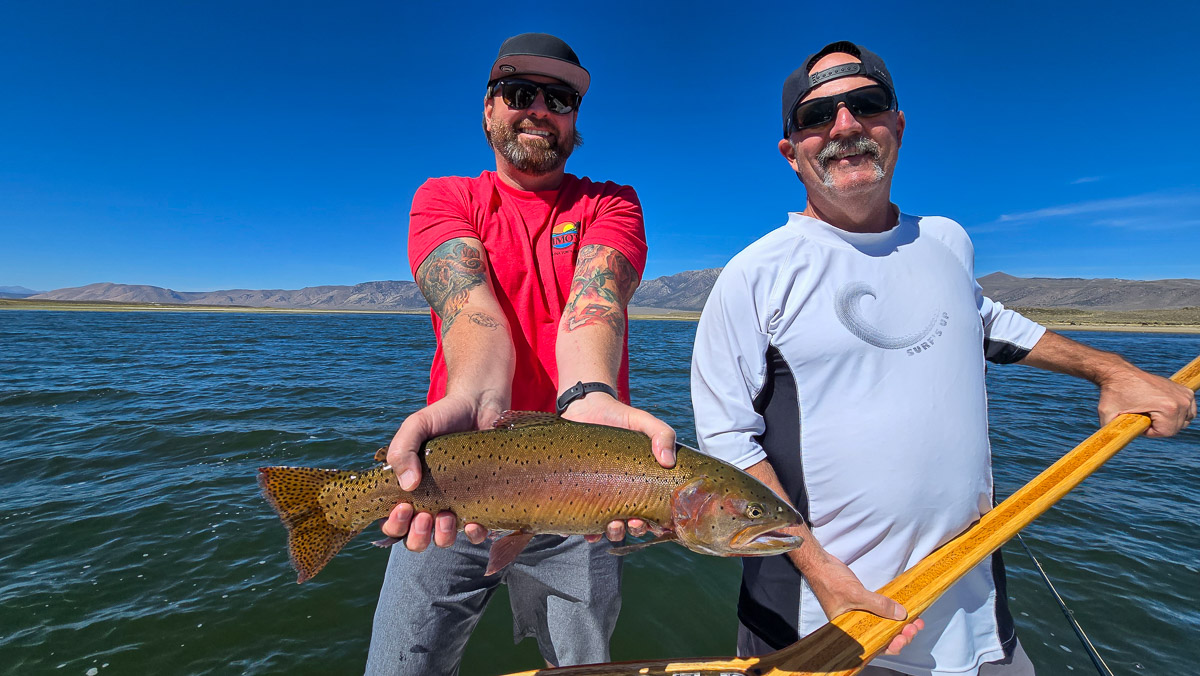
(1151, 211)
(1087, 179)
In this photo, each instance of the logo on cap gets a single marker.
(508, 69)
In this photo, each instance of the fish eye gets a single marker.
(755, 511)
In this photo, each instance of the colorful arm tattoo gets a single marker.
(446, 278)
(604, 283)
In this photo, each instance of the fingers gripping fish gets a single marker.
(536, 473)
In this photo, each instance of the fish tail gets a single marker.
(312, 540)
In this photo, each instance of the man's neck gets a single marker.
(855, 215)
(528, 182)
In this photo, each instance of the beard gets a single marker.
(838, 148)
(538, 156)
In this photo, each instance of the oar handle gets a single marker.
(845, 645)
(1189, 376)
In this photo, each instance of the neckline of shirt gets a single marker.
(820, 231)
(540, 195)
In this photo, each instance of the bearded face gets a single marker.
(533, 146)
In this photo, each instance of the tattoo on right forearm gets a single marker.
(447, 277)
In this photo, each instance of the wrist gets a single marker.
(481, 398)
(580, 390)
(1109, 367)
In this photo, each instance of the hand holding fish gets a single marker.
(452, 413)
(602, 409)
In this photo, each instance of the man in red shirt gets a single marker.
(528, 271)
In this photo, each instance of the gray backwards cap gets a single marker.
(540, 54)
(800, 82)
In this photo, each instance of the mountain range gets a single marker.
(16, 292)
(685, 291)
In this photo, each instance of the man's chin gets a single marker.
(852, 182)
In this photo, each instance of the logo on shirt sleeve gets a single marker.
(563, 235)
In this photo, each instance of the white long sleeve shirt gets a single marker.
(855, 364)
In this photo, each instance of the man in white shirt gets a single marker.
(840, 359)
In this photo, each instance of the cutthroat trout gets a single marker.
(537, 473)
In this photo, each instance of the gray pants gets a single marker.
(1017, 664)
(563, 591)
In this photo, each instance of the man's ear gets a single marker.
(899, 128)
(789, 152)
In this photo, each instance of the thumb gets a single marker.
(662, 437)
(402, 453)
(884, 607)
(663, 447)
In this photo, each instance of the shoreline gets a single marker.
(1185, 320)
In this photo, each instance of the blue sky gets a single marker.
(211, 145)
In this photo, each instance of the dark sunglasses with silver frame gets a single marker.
(520, 94)
(862, 102)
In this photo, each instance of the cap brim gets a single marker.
(533, 64)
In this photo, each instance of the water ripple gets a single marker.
(136, 540)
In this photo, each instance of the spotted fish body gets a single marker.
(537, 473)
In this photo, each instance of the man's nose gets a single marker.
(844, 123)
(539, 105)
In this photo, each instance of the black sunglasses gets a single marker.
(520, 94)
(862, 102)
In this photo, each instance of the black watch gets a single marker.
(580, 390)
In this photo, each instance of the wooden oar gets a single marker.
(845, 645)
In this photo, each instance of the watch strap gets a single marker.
(580, 390)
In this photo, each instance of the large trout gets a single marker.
(538, 473)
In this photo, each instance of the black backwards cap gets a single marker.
(540, 54)
(800, 82)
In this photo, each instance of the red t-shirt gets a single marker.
(531, 240)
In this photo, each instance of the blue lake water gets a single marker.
(135, 540)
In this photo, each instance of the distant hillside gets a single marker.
(16, 292)
(685, 291)
(387, 295)
(1091, 294)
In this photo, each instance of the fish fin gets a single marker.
(506, 550)
(387, 542)
(627, 549)
(512, 420)
(381, 455)
(654, 528)
(293, 493)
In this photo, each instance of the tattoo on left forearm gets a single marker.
(482, 319)
(604, 283)
(447, 277)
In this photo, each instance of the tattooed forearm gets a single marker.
(482, 319)
(596, 313)
(604, 283)
(477, 318)
(447, 277)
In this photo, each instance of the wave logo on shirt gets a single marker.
(849, 312)
(564, 235)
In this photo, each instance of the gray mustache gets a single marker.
(839, 147)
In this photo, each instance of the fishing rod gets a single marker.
(847, 643)
(1093, 654)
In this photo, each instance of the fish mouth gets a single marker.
(763, 540)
